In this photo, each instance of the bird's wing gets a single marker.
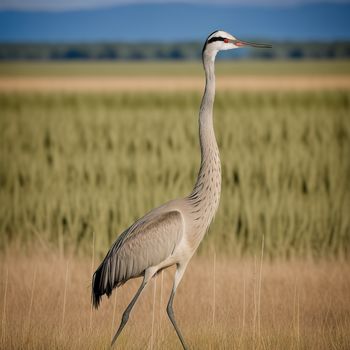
(147, 243)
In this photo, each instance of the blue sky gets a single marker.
(173, 20)
(62, 5)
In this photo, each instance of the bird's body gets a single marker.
(170, 234)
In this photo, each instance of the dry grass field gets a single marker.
(144, 84)
(222, 304)
(86, 148)
(175, 76)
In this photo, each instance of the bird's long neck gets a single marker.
(206, 192)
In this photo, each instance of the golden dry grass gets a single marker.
(45, 304)
(171, 83)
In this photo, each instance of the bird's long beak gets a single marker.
(247, 43)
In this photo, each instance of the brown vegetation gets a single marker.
(45, 304)
(171, 83)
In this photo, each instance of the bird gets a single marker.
(171, 233)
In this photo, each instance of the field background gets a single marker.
(161, 76)
(86, 148)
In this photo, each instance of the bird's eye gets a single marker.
(226, 41)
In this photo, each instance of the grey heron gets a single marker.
(170, 234)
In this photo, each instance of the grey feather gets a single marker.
(146, 243)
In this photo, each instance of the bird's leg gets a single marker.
(148, 274)
(178, 276)
(126, 313)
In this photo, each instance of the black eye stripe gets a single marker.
(216, 38)
(212, 40)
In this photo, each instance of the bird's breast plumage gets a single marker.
(205, 197)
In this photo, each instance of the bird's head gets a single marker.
(220, 40)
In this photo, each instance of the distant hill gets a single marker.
(178, 22)
(167, 51)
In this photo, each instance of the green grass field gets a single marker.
(74, 164)
(191, 68)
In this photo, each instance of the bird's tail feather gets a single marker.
(103, 282)
(96, 294)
